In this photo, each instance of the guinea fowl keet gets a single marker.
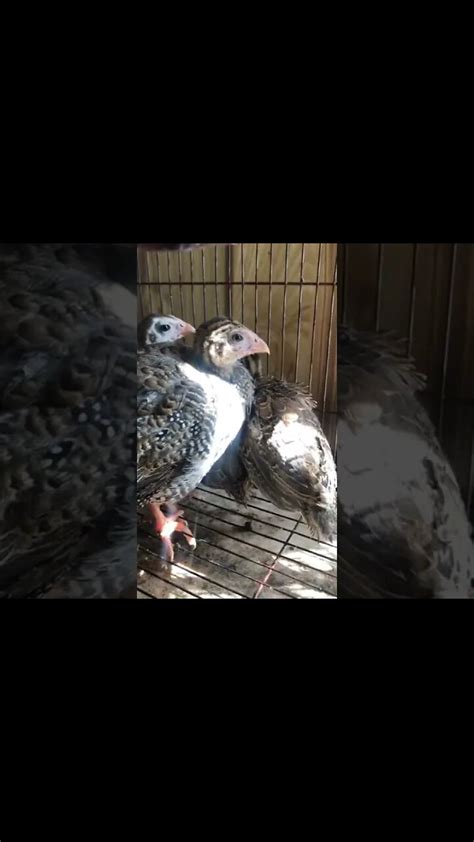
(288, 457)
(188, 414)
(67, 422)
(403, 528)
(158, 332)
(165, 334)
(282, 452)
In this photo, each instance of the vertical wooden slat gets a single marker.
(423, 309)
(460, 361)
(330, 395)
(262, 292)
(396, 276)
(204, 287)
(270, 300)
(300, 310)
(378, 301)
(341, 263)
(285, 305)
(242, 280)
(216, 274)
(361, 272)
(170, 286)
(315, 315)
(180, 281)
(411, 321)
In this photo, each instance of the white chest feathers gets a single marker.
(224, 403)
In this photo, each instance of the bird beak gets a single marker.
(186, 328)
(253, 344)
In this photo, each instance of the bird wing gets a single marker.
(287, 455)
(175, 427)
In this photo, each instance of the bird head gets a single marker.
(162, 330)
(222, 342)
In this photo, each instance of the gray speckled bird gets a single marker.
(188, 414)
(403, 528)
(67, 424)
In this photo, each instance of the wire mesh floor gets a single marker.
(253, 552)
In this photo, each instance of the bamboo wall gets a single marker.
(286, 292)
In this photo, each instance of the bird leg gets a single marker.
(166, 525)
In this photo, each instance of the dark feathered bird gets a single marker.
(67, 425)
(189, 414)
(288, 457)
(283, 453)
(403, 529)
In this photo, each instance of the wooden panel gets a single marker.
(395, 289)
(341, 268)
(457, 440)
(378, 284)
(460, 361)
(287, 292)
(425, 278)
(361, 276)
(438, 319)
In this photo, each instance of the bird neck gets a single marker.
(225, 372)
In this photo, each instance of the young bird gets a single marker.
(403, 528)
(288, 457)
(165, 334)
(158, 331)
(67, 422)
(188, 414)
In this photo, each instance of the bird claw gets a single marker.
(183, 527)
(167, 525)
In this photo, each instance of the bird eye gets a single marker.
(237, 337)
(164, 328)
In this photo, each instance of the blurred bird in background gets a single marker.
(67, 419)
(403, 528)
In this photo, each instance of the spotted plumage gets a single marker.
(283, 453)
(188, 414)
(403, 529)
(67, 426)
(288, 457)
